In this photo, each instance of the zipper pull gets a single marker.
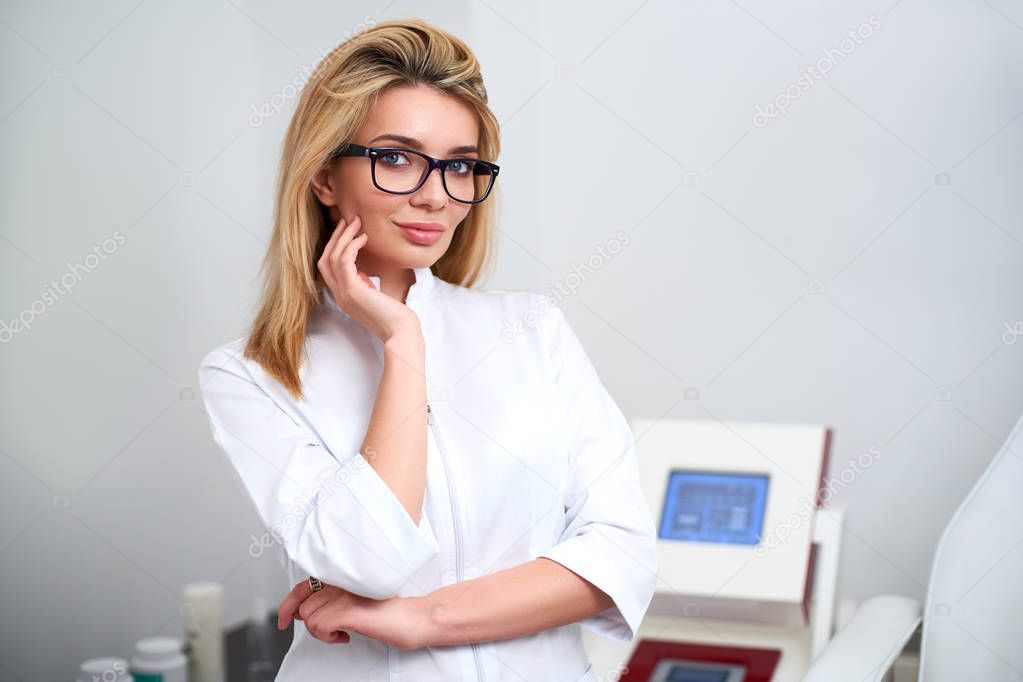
(429, 414)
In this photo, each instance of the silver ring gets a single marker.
(315, 584)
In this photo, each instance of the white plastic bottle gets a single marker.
(159, 659)
(204, 637)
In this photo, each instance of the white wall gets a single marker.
(131, 123)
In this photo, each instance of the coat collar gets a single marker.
(422, 288)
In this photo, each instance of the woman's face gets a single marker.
(415, 117)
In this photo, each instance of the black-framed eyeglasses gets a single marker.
(399, 170)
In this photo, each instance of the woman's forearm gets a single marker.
(395, 442)
(515, 602)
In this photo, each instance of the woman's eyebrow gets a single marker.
(416, 144)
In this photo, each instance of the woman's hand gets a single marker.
(397, 622)
(355, 294)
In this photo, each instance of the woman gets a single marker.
(452, 489)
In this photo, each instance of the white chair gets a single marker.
(972, 627)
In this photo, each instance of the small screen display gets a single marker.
(680, 673)
(704, 506)
(680, 670)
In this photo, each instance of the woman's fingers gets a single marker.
(338, 229)
(340, 237)
(342, 244)
(315, 600)
(321, 611)
(343, 237)
(347, 270)
(289, 605)
(342, 284)
(326, 623)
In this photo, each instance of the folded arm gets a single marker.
(535, 596)
(334, 514)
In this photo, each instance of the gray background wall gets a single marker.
(856, 261)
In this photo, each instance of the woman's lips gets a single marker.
(421, 233)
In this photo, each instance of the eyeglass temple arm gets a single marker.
(350, 149)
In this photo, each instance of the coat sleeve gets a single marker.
(609, 539)
(332, 513)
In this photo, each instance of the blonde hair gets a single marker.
(331, 109)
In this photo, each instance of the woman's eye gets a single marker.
(394, 159)
(460, 167)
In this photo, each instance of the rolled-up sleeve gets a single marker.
(332, 513)
(610, 538)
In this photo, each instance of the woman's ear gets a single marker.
(323, 186)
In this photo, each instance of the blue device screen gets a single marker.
(704, 506)
(683, 674)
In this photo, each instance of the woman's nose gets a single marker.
(432, 192)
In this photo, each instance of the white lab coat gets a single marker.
(528, 456)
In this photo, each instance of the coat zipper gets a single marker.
(457, 525)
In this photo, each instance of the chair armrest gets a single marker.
(866, 648)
